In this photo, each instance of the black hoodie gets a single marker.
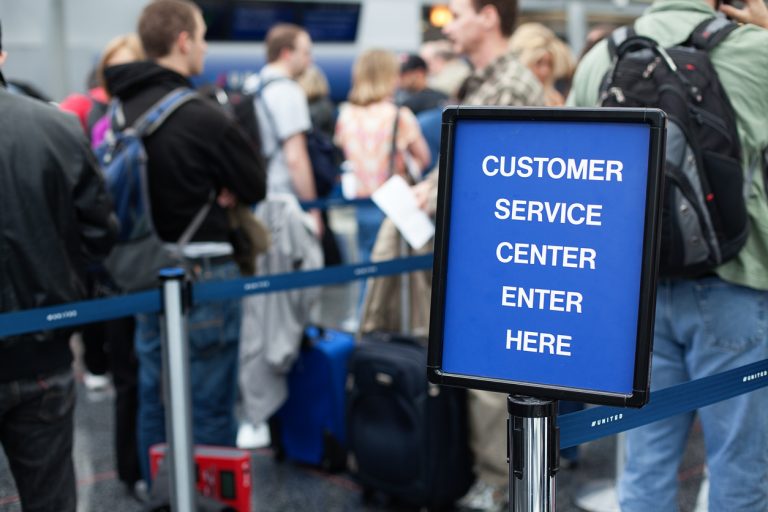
(196, 150)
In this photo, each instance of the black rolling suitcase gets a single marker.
(406, 438)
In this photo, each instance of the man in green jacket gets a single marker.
(715, 322)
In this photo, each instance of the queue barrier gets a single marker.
(575, 428)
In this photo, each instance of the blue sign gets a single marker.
(547, 252)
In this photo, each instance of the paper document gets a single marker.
(397, 201)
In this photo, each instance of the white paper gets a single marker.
(349, 185)
(397, 201)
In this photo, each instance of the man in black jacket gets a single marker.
(195, 152)
(55, 219)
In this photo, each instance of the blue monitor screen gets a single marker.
(250, 21)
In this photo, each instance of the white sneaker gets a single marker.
(350, 324)
(484, 497)
(250, 437)
(95, 382)
(139, 491)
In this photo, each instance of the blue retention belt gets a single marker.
(579, 427)
(331, 202)
(575, 428)
(78, 313)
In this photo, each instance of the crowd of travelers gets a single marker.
(219, 153)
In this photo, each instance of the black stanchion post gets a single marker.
(534, 443)
(178, 404)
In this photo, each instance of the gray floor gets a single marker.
(287, 487)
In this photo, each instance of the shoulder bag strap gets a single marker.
(196, 222)
(393, 151)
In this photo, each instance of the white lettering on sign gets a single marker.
(546, 255)
(539, 342)
(555, 168)
(537, 298)
(538, 211)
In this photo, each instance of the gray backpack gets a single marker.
(139, 253)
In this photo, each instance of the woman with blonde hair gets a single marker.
(120, 50)
(90, 107)
(549, 58)
(321, 109)
(377, 137)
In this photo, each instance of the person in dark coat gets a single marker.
(55, 220)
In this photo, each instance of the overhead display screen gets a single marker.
(327, 22)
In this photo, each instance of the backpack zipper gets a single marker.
(651, 67)
(617, 93)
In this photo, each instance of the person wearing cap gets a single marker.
(413, 92)
(56, 220)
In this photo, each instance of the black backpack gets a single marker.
(704, 215)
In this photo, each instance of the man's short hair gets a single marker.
(281, 37)
(412, 62)
(507, 10)
(162, 21)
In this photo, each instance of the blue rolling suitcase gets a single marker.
(310, 426)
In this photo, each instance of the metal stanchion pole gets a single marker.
(534, 451)
(178, 404)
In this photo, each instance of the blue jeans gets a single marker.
(214, 332)
(704, 327)
(36, 431)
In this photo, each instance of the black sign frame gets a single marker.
(656, 119)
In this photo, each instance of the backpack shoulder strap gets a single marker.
(270, 118)
(196, 222)
(711, 32)
(151, 120)
(617, 37)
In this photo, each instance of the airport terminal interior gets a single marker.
(53, 44)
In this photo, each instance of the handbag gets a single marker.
(249, 238)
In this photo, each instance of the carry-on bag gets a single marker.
(406, 438)
(310, 426)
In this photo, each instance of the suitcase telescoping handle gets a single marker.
(312, 332)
